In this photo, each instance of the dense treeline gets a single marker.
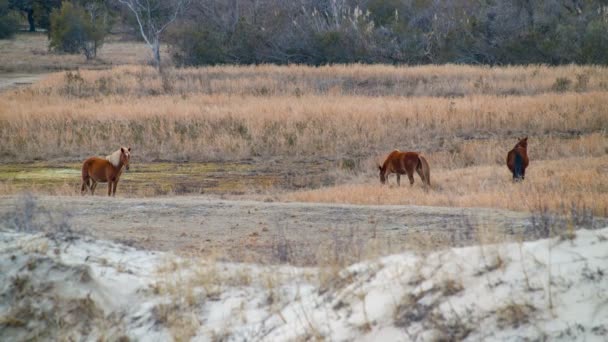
(200, 32)
(392, 31)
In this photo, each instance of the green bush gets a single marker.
(9, 20)
(394, 31)
(73, 31)
(194, 46)
(595, 43)
(338, 47)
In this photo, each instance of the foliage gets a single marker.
(394, 31)
(198, 47)
(8, 20)
(320, 32)
(37, 11)
(595, 43)
(75, 30)
(43, 10)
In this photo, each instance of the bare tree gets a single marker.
(153, 17)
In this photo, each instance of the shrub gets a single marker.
(339, 47)
(73, 30)
(191, 45)
(595, 43)
(9, 20)
(561, 84)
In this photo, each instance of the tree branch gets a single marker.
(131, 5)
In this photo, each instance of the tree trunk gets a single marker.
(156, 52)
(30, 20)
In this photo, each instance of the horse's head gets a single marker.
(125, 156)
(523, 142)
(382, 175)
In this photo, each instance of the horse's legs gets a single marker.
(398, 180)
(93, 186)
(110, 188)
(410, 175)
(114, 189)
(85, 183)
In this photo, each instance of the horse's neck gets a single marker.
(386, 166)
(519, 144)
(118, 168)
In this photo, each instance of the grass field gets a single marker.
(346, 117)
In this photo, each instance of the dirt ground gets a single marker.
(250, 231)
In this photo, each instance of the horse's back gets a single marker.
(409, 159)
(516, 154)
(393, 155)
(95, 167)
(401, 161)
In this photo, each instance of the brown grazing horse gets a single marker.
(103, 170)
(405, 163)
(517, 160)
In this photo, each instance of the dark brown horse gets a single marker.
(517, 160)
(403, 163)
(103, 170)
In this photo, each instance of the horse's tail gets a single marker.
(426, 170)
(518, 168)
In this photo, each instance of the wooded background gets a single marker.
(316, 32)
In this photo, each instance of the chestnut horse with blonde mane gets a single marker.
(103, 170)
(517, 160)
(403, 163)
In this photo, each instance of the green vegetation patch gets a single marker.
(147, 179)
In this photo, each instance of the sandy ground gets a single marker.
(270, 232)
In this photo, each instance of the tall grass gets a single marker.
(225, 113)
(369, 80)
(463, 118)
(567, 186)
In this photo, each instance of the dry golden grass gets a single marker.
(228, 115)
(463, 118)
(371, 80)
(558, 185)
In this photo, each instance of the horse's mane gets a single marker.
(114, 158)
(389, 158)
(523, 143)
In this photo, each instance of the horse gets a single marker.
(107, 169)
(517, 160)
(405, 163)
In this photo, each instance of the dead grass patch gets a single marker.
(556, 185)
(216, 112)
(514, 315)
